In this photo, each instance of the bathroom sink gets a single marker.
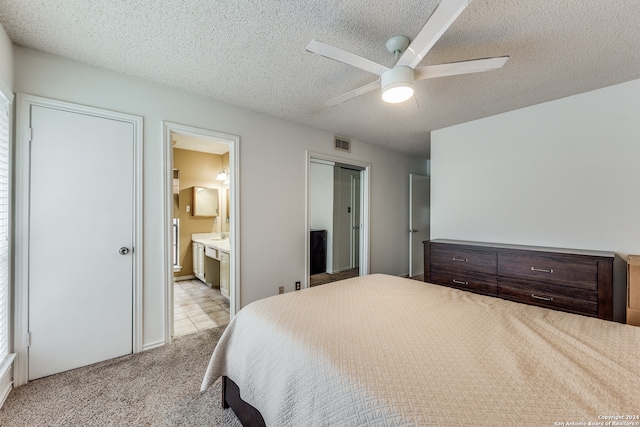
(212, 240)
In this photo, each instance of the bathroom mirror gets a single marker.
(205, 201)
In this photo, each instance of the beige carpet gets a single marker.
(323, 278)
(159, 387)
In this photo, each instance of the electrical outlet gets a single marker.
(297, 286)
(281, 290)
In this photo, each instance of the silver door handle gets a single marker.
(123, 250)
(413, 230)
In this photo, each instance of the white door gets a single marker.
(419, 224)
(80, 240)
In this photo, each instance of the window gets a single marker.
(176, 241)
(4, 227)
(176, 220)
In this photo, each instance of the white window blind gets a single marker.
(4, 227)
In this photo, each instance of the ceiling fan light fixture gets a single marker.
(397, 84)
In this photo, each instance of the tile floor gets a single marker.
(197, 307)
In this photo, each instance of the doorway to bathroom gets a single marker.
(201, 228)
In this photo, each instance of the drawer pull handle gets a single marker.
(542, 298)
(455, 258)
(460, 282)
(542, 270)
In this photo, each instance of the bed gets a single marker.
(389, 351)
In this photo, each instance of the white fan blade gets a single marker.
(441, 18)
(356, 92)
(455, 68)
(349, 58)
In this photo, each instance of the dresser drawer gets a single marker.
(450, 257)
(558, 297)
(562, 270)
(479, 283)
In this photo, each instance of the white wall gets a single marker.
(6, 62)
(321, 204)
(272, 156)
(563, 173)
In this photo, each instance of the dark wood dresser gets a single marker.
(318, 251)
(576, 281)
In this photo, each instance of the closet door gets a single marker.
(80, 240)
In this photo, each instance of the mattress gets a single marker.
(388, 351)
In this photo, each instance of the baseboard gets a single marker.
(153, 345)
(406, 275)
(6, 378)
(181, 278)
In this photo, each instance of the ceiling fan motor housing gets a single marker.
(397, 84)
(397, 44)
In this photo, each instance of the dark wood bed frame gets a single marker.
(247, 414)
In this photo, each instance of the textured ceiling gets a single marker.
(251, 53)
(186, 142)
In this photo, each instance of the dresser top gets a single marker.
(604, 254)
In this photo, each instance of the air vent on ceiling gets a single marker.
(342, 144)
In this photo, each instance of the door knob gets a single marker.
(413, 230)
(123, 250)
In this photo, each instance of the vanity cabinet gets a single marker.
(224, 274)
(212, 266)
(198, 261)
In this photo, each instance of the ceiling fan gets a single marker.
(397, 82)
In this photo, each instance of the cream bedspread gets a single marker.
(387, 351)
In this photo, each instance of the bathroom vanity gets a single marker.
(211, 262)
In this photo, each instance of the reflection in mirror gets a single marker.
(205, 201)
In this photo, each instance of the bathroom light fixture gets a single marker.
(223, 175)
(397, 84)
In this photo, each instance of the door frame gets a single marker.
(24, 102)
(365, 206)
(411, 224)
(355, 246)
(234, 217)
